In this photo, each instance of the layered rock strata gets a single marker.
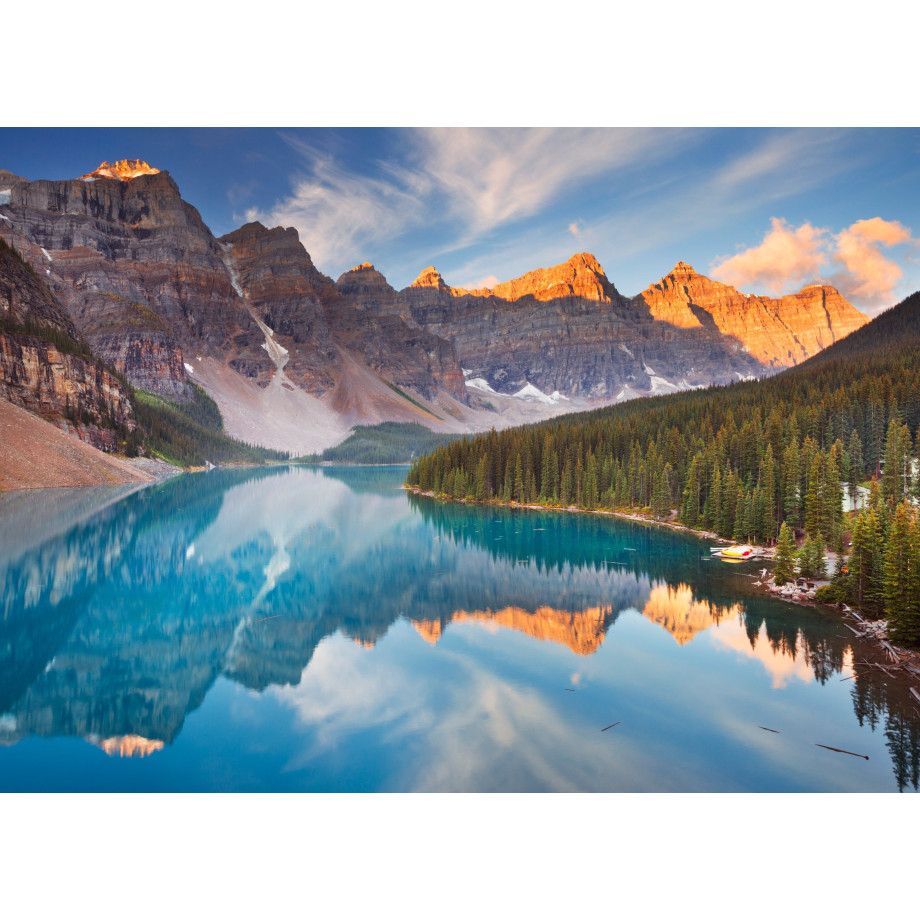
(777, 332)
(46, 370)
(568, 329)
(134, 238)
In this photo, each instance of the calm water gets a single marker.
(320, 630)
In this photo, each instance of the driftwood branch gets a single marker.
(840, 751)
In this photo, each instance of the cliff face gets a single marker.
(778, 333)
(42, 368)
(135, 238)
(372, 321)
(276, 277)
(75, 393)
(568, 329)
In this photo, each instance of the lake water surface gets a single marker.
(302, 629)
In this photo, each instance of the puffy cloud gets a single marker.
(790, 257)
(866, 275)
(787, 257)
(574, 228)
(488, 282)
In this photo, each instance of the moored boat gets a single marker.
(743, 551)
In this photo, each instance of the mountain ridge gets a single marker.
(294, 358)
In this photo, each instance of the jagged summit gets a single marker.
(362, 277)
(585, 260)
(125, 170)
(682, 268)
(429, 277)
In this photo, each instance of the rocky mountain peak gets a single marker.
(581, 276)
(682, 268)
(125, 170)
(585, 261)
(429, 277)
(362, 278)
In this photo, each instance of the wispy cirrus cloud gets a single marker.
(466, 181)
(851, 260)
(337, 212)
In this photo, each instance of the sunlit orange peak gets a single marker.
(430, 277)
(129, 745)
(675, 609)
(126, 170)
(582, 631)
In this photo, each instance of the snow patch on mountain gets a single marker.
(530, 392)
(480, 383)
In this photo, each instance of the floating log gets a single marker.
(275, 617)
(764, 727)
(854, 631)
(840, 751)
(569, 689)
(611, 726)
(915, 693)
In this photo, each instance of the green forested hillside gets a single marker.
(741, 461)
(190, 433)
(389, 442)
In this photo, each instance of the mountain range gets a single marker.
(294, 359)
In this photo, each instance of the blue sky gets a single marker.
(768, 210)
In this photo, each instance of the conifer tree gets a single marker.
(785, 556)
(902, 576)
(856, 470)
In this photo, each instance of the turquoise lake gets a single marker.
(318, 629)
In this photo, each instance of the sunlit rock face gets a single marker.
(568, 329)
(125, 170)
(777, 332)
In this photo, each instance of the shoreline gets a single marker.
(572, 509)
(874, 632)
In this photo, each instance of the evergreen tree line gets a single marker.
(389, 442)
(740, 461)
(189, 433)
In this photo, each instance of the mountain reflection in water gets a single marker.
(118, 625)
